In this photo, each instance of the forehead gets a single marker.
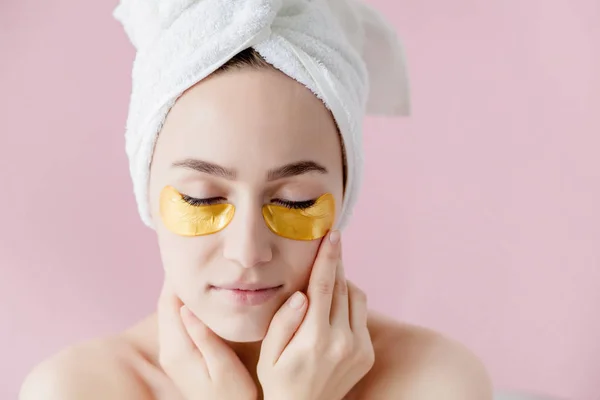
(250, 117)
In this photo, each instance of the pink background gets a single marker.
(493, 183)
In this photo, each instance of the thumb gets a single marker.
(217, 355)
(282, 328)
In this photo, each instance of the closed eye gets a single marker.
(297, 205)
(193, 201)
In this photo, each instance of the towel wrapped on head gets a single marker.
(344, 51)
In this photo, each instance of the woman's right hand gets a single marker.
(200, 364)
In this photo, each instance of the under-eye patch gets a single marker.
(308, 223)
(185, 219)
(182, 216)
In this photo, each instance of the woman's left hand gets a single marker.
(320, 349)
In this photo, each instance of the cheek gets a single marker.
(183, 257)
(299, 256)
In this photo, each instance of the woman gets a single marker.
(247, 186)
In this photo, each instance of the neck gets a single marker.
(248, 353)
(145, 337)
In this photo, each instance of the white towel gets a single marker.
(342, 50)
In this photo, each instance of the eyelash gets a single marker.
(193, 201)
(296, 205)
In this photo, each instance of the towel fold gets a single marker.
(344, 51)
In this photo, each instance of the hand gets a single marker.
(200, 364)
(321, 348)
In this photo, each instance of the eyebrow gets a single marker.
(206, 167)
(285, 171)
(294, 169)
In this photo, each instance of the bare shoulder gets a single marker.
(419, 364)
(95, 369)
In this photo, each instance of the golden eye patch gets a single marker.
(308, 223)
(185, 219)
(192, 217)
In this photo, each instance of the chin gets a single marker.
(240, 328)
(241, 337)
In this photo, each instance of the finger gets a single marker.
(322, 278)
(177, 350)
(171, 330)
(218, 356)
(284, 325)
(340, 309)
(358, 309)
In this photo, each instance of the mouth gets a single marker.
(246, 294)
(245, 286)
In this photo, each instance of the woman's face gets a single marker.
(247, 137)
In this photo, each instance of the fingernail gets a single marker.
(334, 237)
(297, 300)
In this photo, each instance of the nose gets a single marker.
(247, 240)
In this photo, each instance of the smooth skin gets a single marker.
(320, 353)
(198, 346)
(310, 352)
(318, 348)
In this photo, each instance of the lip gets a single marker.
(245, 286)
(247, 295)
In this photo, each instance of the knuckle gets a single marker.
(324, 287)
(342, 348)
(313, 344)
(310, 352)
(359, 296)
(314, 341)
(341, 286)
(367, 357)
(365, 354)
